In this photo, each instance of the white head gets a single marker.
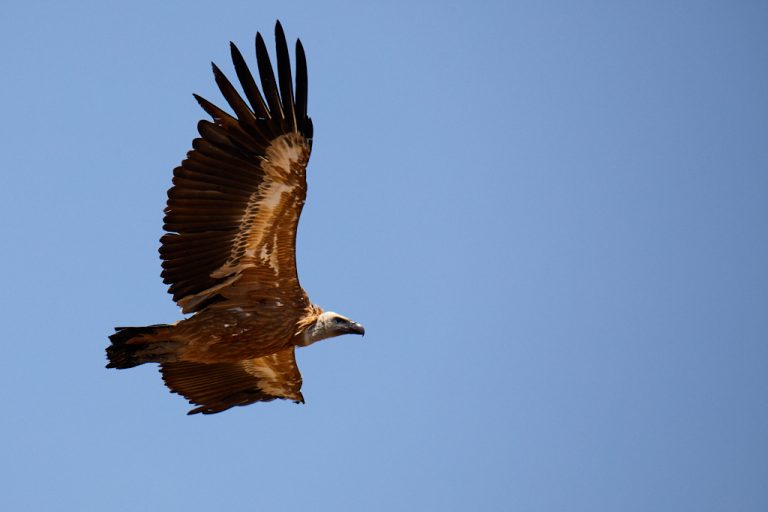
(329, 325)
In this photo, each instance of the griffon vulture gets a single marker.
(229, 254)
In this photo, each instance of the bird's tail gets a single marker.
(132, 346)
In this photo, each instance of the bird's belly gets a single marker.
(233, 335)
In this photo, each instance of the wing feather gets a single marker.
(268, 83)
(242, 111)
(284, 76)
(302, 91)
(249, 84)
(220, 386)
(237, 197)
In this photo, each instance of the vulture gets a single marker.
(229, 251)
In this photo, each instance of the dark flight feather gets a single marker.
(284, 76)
(248, 83)
(268, 83)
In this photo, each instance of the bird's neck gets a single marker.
(311, 328)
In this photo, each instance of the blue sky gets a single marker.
(550, 217)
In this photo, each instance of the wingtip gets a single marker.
(279, 32)
(234, 51)
(196, 410)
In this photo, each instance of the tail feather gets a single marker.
(132, 346)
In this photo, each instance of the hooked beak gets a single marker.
(355, 328)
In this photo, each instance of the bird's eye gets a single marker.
(338, 320)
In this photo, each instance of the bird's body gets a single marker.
(229, 254)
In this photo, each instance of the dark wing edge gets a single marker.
(213, 189)
(220, 386)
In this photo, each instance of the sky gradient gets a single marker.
(549, 216)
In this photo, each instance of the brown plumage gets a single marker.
(229, 254)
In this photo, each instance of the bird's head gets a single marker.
(329, 325)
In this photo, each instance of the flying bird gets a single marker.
(229, 254)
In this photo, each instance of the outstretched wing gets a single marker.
(217, 387)
(235, 202)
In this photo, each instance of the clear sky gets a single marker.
(552, 218)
